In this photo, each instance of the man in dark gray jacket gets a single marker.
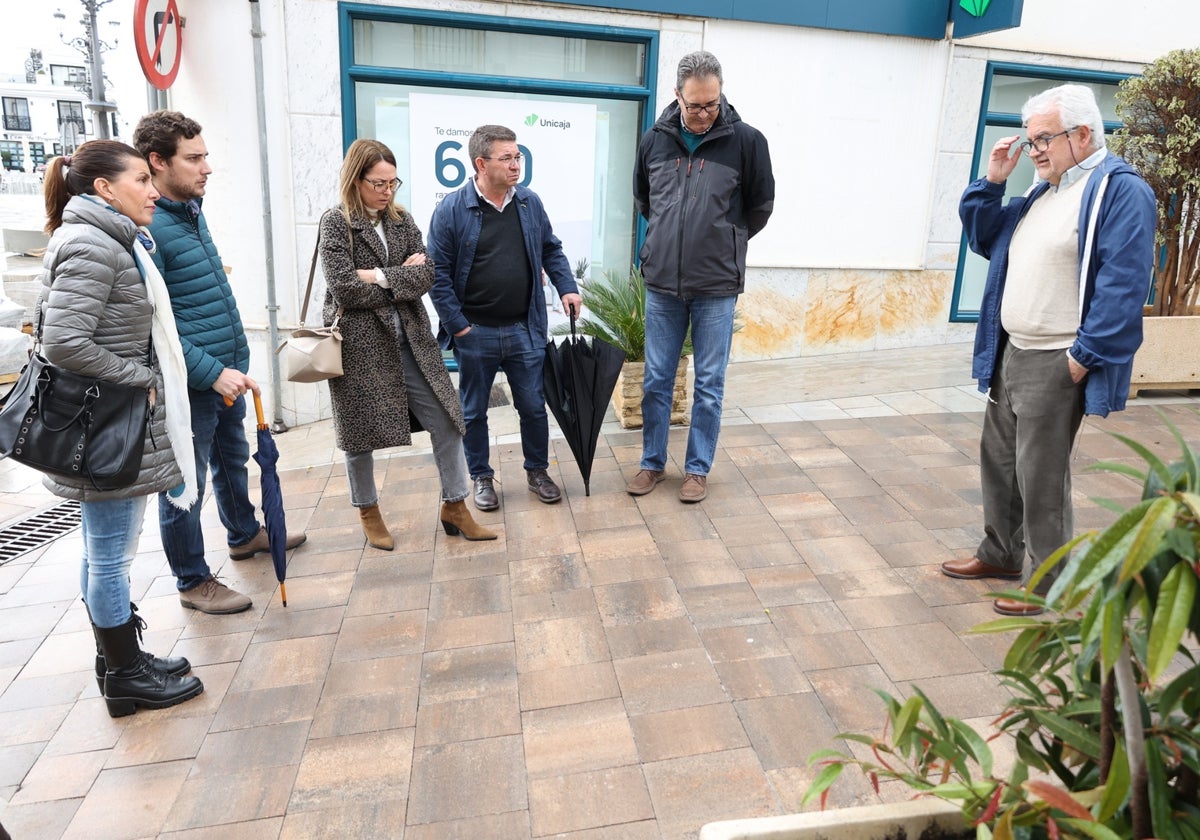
(703, 181)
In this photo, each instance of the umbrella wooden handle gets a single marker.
(262, 423)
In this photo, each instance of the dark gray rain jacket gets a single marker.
(701, 208)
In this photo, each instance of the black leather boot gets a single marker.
(175, 665)
(130, 682)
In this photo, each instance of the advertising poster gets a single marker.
(557, 141)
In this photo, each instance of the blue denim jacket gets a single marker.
(453, 235)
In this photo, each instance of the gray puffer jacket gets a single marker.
(96, 322)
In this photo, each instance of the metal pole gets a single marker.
(256, 32)
(96, 68)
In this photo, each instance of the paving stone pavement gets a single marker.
(610, 668)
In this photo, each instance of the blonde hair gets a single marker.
(360, 158)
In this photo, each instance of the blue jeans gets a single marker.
(667, 320)
(110, 537)
(220, 443)
(480, 354)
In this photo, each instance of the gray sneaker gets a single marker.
(214, 598)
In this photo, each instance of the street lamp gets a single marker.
(92, 48)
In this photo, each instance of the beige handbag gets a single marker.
(314, 355)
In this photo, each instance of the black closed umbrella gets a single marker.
(578, 379)
(274, 518)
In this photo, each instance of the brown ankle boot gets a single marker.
(456, 520)
(375, 528)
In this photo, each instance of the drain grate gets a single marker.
(38, 529)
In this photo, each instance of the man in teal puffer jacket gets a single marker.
(217, 357)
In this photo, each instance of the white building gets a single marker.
(877, 117)
(44, 112)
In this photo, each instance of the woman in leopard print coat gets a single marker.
(376, 271)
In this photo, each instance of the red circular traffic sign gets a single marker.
(158, 35)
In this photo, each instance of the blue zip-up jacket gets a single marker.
(206, 314)
(453, 235)
(1119, 267)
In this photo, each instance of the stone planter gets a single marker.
(919, 819)
(627, 395)
(1167, 359)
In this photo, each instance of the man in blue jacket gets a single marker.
(490, 241)
(1060, 320)
(217, 358)
(704, 182)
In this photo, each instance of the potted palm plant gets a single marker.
(1160, 137)
(1104, 694)
(616, 312)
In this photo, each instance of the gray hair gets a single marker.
(480, 144)
(699, 65)
(1075, 105)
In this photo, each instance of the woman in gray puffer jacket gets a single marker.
(96, 320)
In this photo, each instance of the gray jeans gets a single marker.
(1033, 414)
(447, 442)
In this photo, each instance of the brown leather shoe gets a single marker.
(457, 520)
(375, 529)
(1015, 608)
(543, 485)
(260, 543)
(694, 489)
(973, 568)
(644, 482)
(485, 493)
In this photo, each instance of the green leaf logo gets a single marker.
(978, 8)
(531, 119)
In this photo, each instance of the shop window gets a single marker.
(1005, 90)
(16, 113)
(578, 98)
(12, 153)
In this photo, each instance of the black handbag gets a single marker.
(73, 426)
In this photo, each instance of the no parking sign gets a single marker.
(158, 35)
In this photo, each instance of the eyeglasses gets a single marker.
(694, 109)
(1042, 144)
(507, 160)
(384, 186)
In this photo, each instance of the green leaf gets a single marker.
(1082, 739)
(1108, 549)
(1176, 598)
(1091, 829)
(1148, 536)
(969, 740)
(1124, 469)
(904, 720)
(1191, 466)
(1160, 792)
(1116, 789)
(821, 783)
(1112, 636)
(1155, 463)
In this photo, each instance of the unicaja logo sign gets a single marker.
(531, 119)
(546, 122)
(977, 8)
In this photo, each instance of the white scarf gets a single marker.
(169, 351)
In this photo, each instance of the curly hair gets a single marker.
(161, 131)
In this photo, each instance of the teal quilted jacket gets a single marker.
(206, 314)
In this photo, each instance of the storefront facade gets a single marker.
(875, 117)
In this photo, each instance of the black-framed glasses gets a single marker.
(384, 186)
(1042, 144)
(694, 108)
(507, 160)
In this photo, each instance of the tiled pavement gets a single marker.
(609, 669)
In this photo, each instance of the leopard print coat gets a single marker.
(370, 403)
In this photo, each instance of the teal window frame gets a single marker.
(1002, 119)
(352, 73)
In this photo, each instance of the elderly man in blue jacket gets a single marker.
(1060, 320)
(490, 241)
(217, 358)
